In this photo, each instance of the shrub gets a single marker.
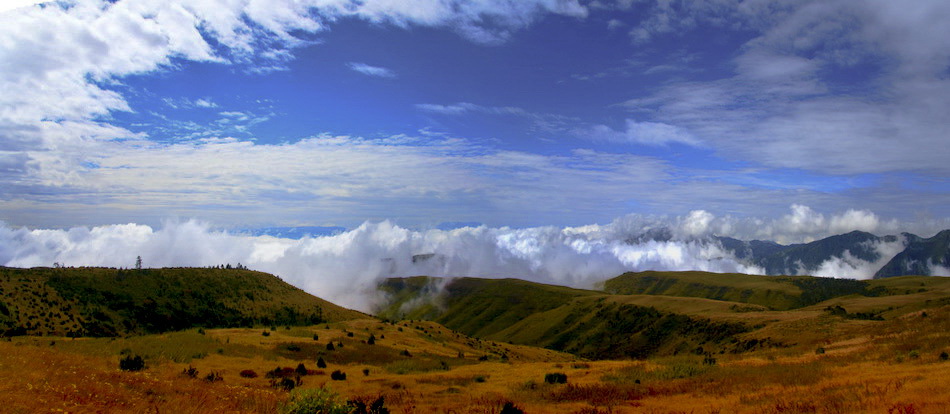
(511, 408)
(316, 337)
(944, 356)
(555, 378)
(405, 353)
(365, 372)
(293, 348)
(248, 373)
(371, 340)
(349, 334)
(301, 370)
(820, 351)
(338, 375)
(265, 333)
(321, 363)
(330, 346)
(130, 363)
(914, 354)
(191, 372)
(315, 400)
(213, 377)
(362, 406)
(286, 384)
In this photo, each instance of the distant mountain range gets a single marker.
(297, 232)
(916, 255)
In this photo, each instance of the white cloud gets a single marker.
(837, 87)
(368, 70)
(644, 133)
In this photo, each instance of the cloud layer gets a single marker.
(345, 267)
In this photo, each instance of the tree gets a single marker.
(138, 263)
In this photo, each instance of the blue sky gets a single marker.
(251, 113)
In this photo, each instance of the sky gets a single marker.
(251, 113)
(533, 136)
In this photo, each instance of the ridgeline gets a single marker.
(92, 301)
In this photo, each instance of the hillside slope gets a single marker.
(773, 292)
(583, 322)
(108, 302)
(919, 257)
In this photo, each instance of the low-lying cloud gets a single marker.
(345, 267)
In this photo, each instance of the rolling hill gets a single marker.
(638, 315)
(110, 302)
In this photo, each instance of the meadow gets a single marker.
(896, 366)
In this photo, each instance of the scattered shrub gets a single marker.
(301, 370)
(371, 340)
(130, 363)
(405, 353)
(315, 400)
(286, 384)
(330, 346)
(213, 377)
(365, 372)
(316, 337)
(321, 363)
(293, 348)
(555, 378)
(480, 378)
(265, 333)
(820, 350)
(362, 406)
(914, 354)
(511, 408)
(338, 375)
(191, 372)
(349, 334)
(248, 373)
(944, 356)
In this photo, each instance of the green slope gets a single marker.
(773, 292)
(583, 322)
(477, 307)
(605, 328)
(107, 302)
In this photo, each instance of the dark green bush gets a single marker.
(130, 363)
(555, 378)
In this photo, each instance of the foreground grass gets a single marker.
(422, 367)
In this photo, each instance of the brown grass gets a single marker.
(859, 373)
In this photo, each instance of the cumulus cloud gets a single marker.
(345, 267)
(369, 70)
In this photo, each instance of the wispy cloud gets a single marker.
(836, 87)
(368, 70)
(644, 133)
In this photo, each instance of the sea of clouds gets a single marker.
(345, 267)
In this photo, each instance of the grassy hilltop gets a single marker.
(109, 302)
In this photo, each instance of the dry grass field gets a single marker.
(892, 366)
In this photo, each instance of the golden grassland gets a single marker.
(891, 366)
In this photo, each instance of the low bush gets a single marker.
(191, 372)
(555, 378)
(338, 375)
(248, 373)
(130, 363)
